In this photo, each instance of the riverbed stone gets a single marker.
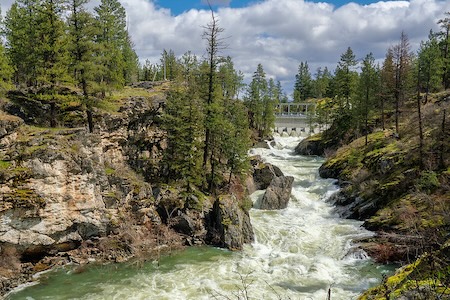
(263, 174)
(231, 226)
(278, 193)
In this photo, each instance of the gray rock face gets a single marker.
(231, 227)
(59, 187)
(263, 173)
(269, 177)
(278, 193)
(310, 147)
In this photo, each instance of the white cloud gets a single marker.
(282, 33)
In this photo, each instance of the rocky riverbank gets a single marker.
(403, 197)
(70, 196)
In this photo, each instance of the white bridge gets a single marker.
(296, 119)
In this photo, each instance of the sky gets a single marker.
(279, 34)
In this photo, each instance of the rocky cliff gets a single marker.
(403, 195)
(65, 192)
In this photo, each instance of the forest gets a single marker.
(66, 58)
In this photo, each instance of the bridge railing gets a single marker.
(290, 114)
(294, 109)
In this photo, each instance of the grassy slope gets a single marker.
(408, 205)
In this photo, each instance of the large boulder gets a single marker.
(278, 193)
(263, 173)
(270, 178)
(230, 225)
(313, 145)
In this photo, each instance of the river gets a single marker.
(301, 252)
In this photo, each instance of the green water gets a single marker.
(68, 283)
(299, 253)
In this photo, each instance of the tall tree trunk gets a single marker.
(442, 146)
(212, 49)
(366, 115)
(84, 85)
(445, 81)
(53, 114)
(90, 120)
(419, 113)
(397, 112)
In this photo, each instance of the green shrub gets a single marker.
(428, 182)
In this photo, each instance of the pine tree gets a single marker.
(215, 44)
(321, 82)
(230, 80)
(112, 40)
(131, 60)
(431, 65)
(256, 92)
(51, 66)
(170, 65)
(445, 48)
(21, 31)
(303, 83)
(189, 66)
(82, 31)
(6, 71)
(368, 89)
(387, 85)
(237, 141)
(182, 121)
(346, 78)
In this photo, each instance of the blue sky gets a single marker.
(279, 34)
(179, 6)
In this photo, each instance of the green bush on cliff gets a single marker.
(427, 278)
(428, 182)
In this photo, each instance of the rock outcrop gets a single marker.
(231, 227)
(270, 178)
(65, 190)
(313, 145)
(278, 193)
(60, 187)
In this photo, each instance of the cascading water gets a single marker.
(302, 252)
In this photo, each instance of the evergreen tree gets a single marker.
(268, 117)
(445, 48)
(321, 83)
(303, 83)
(51, 65)
(182, 121)
(387, 85)
(150, 72)
(189, 65)
(278, 92)
(21, 31)
(131, 60)
(82, 31)
(231, 81)
(170, 64)
(255, 99)
(113, 41)
(6, 71)
(346, 78)
(237, 139)
(430, 65)
(215, 44)
(368, 86)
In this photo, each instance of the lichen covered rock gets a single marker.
(278, 193)
(230, 224)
